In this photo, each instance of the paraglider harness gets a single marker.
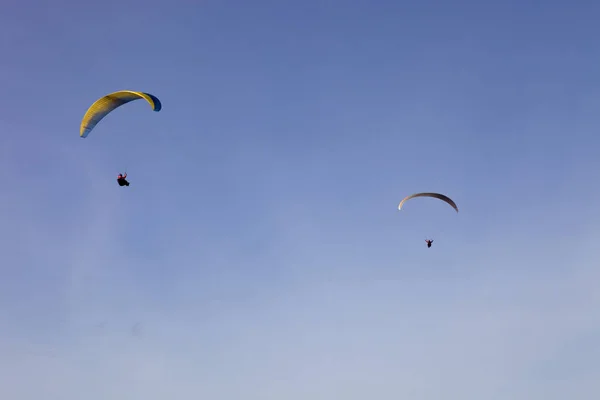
(122, 181)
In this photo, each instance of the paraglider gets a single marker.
(121, 180)
(105, 105)
(439, 196)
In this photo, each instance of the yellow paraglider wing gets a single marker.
(435, 195)
(103, 106)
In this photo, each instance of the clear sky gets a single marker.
(258, 253)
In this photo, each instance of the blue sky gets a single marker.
(258, 252)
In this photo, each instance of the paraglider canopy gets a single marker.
(103, 106)
(434, 195)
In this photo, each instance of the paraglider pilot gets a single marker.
(121, 180)
(429, 242)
